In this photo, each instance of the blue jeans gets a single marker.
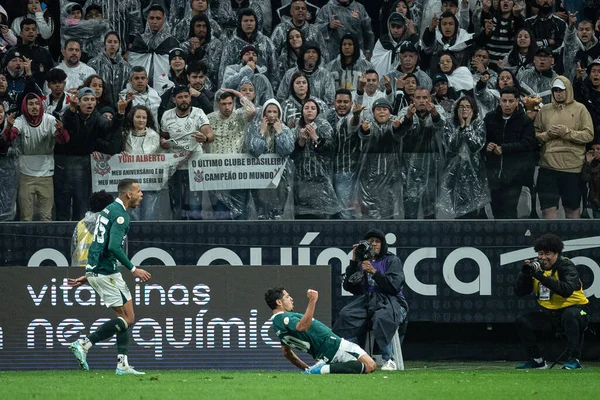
(343, 183)
(386, 352)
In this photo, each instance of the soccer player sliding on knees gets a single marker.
(333, 354)
(102, 274)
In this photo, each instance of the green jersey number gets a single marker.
(296, 343)
(100, 230)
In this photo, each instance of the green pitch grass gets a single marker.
(420, 381)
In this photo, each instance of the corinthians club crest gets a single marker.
(102, 167)
(199, 176)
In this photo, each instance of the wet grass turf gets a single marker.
(421, 380)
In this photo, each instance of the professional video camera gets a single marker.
(364, 251)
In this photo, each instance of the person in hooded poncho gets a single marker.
(123, 16)
(378, 303)
(202, 45)
(248, 33)
(151, 48)
(447, 35)
(269, 135)
(349, 65)
(249, 70)
(184, 11)
(89, 31)
(464, 188)
(228, 14)
(322, 84)
(35, 134)
(288, 57)
(387, 51)
(83, 234)
(339, 17)
(299, 92)
(378, 189)
(297, 20)
(422, 129)
(409, 59)
(314, 196)
(539, 80)
(111, 66)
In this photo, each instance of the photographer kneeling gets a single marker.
(375, 277)
(555, 282)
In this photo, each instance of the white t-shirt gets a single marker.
(76, 75)
(36, 145)
(180, 129)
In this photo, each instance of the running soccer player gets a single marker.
(333, 354)
(102, 273)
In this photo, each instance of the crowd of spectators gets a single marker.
(391, 109)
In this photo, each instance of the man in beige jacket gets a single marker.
(563, 128)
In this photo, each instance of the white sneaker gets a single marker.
(389, 365)
(128, 370)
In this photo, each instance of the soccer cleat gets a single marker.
(315, 369)
(532, 364)
(80, 354)
(572, 363)
(389, 365)
(128, 370)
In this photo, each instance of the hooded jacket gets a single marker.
(281, 143)
(586, 94)
(35, 136)
(151, 51)
(184, 29)
(210, 52)
(321, 82)
(463, 181)
(9, 39)
(264, 47)
(566, 153)
(386, 54)
(345, 74)
(90, 32)
(228, 16)
(123, 16)
(114, 72)
(537, 82)
(576, 52)
(354, 19)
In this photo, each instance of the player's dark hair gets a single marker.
(99, 201)
(125, 185)
(549, 242)
(226, 95)
(272, 295)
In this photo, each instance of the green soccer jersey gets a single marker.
(109, 236)
(319, 341)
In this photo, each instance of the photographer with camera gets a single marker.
(555, 282)
(375, 277)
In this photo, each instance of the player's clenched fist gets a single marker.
(312, 295)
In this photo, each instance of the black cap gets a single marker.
(176, 52)
(543, 51)
(440, 78)
(396, 19)
(180, 89)
(455, 2)
(408, 46)
(593, 63)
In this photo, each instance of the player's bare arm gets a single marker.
(304, 324)
(75, 282)
(292, 357)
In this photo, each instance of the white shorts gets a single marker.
(348, 351)
(112, 289)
